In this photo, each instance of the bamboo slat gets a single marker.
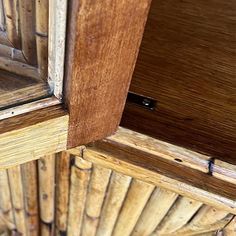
(42, 37)
(157, 207)
(205, 220)
(96, 194)
(12, 22)
(116, 193)
(27, 23)
(17, 194)
(30, 177)
(62, 190)
(137, 197)
(46, 171)
(178, 216)
(5, 200)
(80, 175)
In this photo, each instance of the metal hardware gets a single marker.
(142, 101)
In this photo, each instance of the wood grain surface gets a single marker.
(187, 63)
(103, 40)
(30, 136)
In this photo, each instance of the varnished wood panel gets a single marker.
(103, 41)
(187, 63)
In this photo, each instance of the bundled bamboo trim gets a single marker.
(110, 161)
(42, 36)
(206, 219)
(19, 68)
(178, 216)
(162, 149)
(29, 174)
(157, 207)
(27, 23)
(5, 200)
(2, 17)
(137, 197)
(16, 187)
(225, 171)
(12, 25)
(80, 175)
(11, 53)
(116, 193)
(96, 194)
(62, 190)
(57, 29)
(46, 171)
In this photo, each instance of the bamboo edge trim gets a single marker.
(157, 179)
(28, 107)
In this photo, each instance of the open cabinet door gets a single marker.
(101, 42)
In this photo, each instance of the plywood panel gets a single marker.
(187, 63)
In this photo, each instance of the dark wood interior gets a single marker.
(187, 64)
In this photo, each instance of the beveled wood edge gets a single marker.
(115, 162)
(32, 135)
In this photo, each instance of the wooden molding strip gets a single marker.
(167, 151)
(56, 51)
(193, 184)
(28, 107)
(32, 135)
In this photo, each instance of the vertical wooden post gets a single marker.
(103, 42)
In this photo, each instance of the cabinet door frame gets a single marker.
(102, 43)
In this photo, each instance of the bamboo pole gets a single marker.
(5, 200)
(116, 193)
(157, 207)
(136, 199)
(80, 175)
(11, 53)
(181, 212)
(62, 190)
(18, 68)
(12, 22)
(27, 23)
(46, 172)
(16, 188)
(96, 194)
(42, 37)
(230, 229)
(204, 220)
(45, 229)
(29, 174)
